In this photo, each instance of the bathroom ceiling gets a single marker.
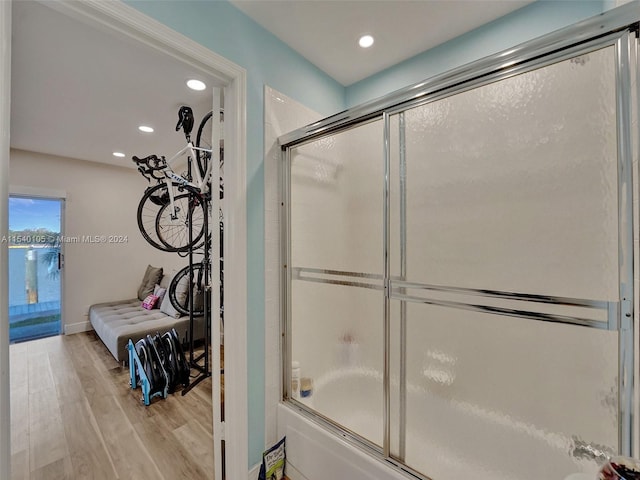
(81, 92)
(326, 32)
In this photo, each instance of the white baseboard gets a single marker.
(78, 327)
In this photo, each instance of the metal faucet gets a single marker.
(590, 451)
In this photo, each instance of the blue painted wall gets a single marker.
(527, 23)
(225, 30)
(222, 28)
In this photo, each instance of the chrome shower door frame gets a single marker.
(627, 319)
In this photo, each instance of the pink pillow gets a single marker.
(150, 301)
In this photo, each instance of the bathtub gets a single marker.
(454, 440)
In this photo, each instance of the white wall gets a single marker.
(100, 200)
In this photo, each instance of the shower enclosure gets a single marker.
(458, 263)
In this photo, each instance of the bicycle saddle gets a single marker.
(185, 120)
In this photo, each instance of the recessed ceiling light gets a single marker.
(196, 84)
(118, 154)
(365, 41)
(145, 129)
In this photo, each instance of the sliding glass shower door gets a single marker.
(337, 272)
(459, 271)
(504, 207)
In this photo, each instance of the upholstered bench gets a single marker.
(118, 321)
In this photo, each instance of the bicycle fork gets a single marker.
(172, 177)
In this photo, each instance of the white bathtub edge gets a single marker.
(293, 474)
(314, 453)
(254, 472)
(290, 471)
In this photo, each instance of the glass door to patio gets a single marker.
(35, 261)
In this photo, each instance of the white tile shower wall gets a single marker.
(282, 115)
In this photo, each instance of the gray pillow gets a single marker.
(181, 296)
(152, 276)
(167, 307)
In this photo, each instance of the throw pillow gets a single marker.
(150, 302)
(159, 292)
(181, 296)
(152, 276)
(167, 308)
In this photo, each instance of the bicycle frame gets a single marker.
(202, 183)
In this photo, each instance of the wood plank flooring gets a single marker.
(74, 416)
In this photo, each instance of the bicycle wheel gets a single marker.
(203, 140)
(158, 227)
(174, 232)
(180, 286)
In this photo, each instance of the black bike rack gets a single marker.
(151, 167)
(200, 363)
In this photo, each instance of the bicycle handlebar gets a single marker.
(151, 166)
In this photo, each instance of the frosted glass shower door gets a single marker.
(336, 277)
(504, 258)
(512, 186)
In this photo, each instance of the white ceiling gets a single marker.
(80, 92)
(326, 32)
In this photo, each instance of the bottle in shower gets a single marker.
(306, 387)
(295, 380)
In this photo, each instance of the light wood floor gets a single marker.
(74, 416)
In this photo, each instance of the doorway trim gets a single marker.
(118, 17)
(5, 114)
